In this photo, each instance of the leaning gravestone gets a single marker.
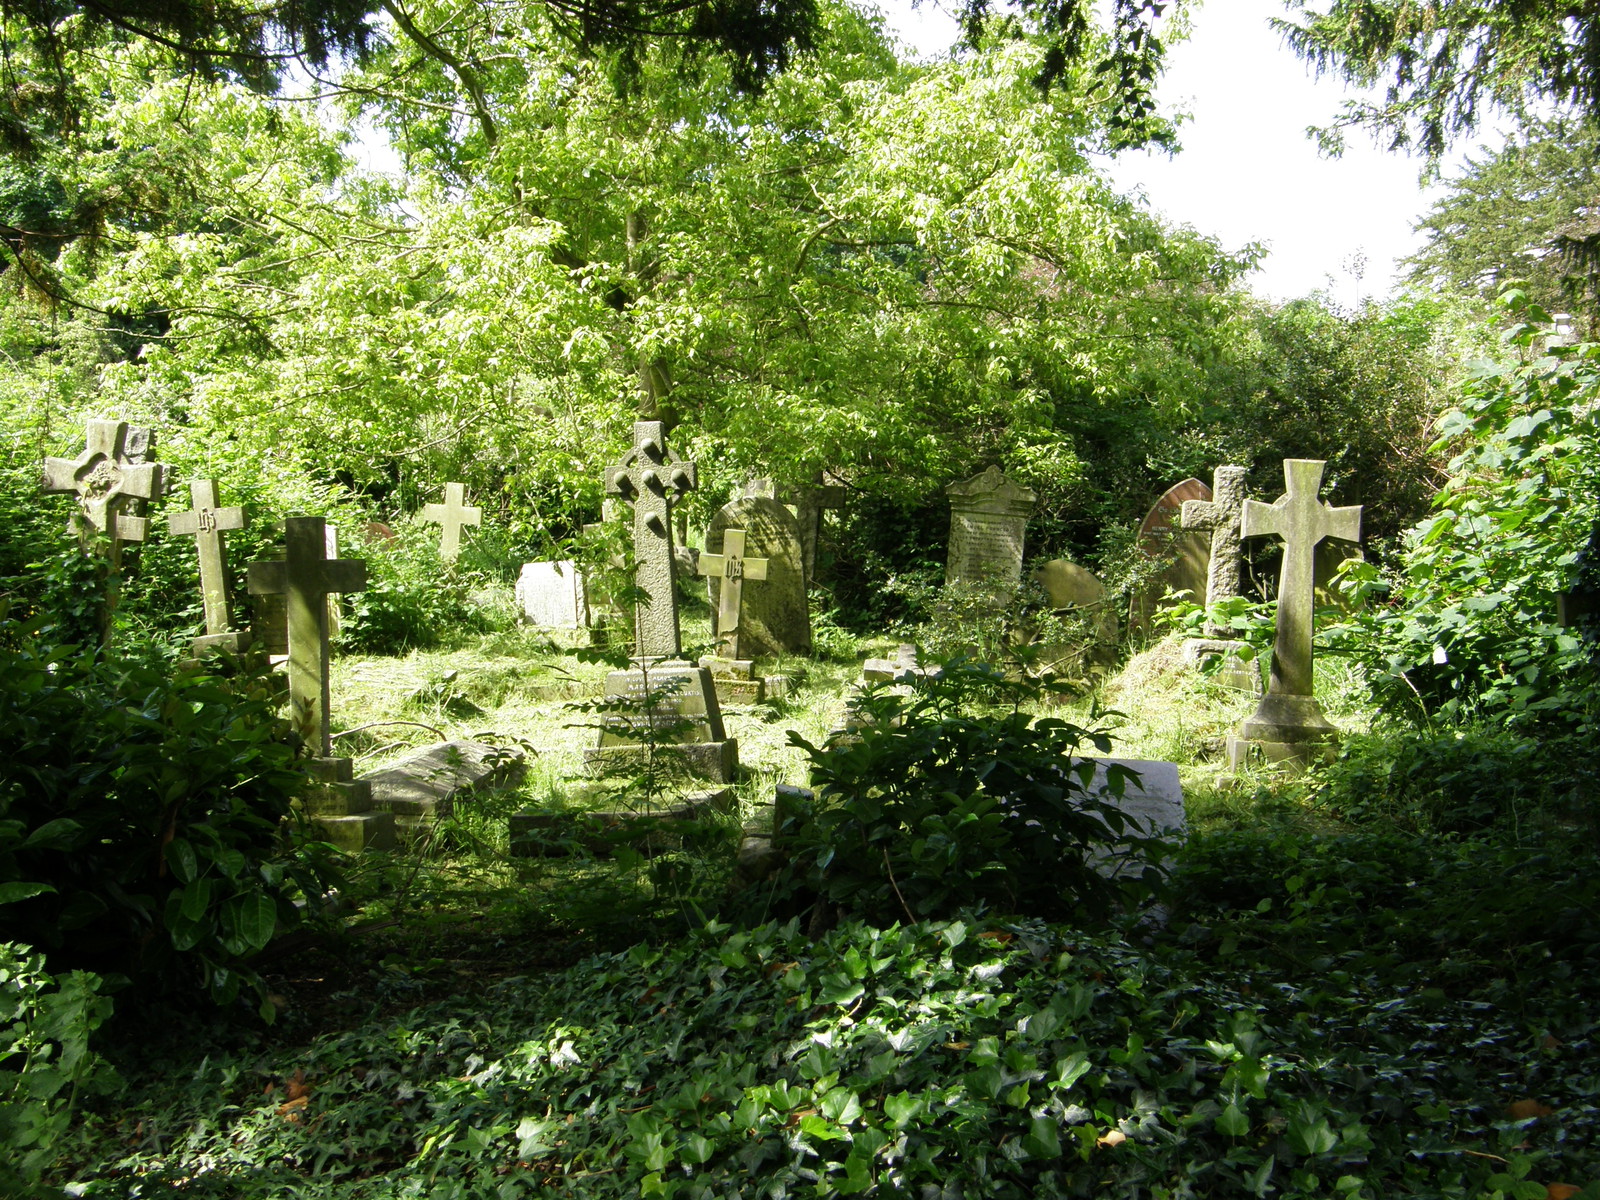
(1076, 591)
(552, 595)
(206, 522)
(662, 697)
(1221, 516)
(988, 523)
(1183, 555)
(306, 577)
(774, 618)
(1288, 725)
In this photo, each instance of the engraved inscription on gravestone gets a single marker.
(988, 522)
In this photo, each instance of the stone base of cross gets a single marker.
(667, 708)
(342, 807)
(1290, 731)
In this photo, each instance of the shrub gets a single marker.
(926, 809)
(412, 600)
(142, 814)
(45, 1060)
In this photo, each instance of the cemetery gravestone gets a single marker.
(552, 595)
(109, 480)
(1221, 515)
(988, 522)
(662, 698)
(734, 674)
(1288, 725)
(1184, 554)
(808, 503)
(452, 515)
(1075, 590)
(774, 619)
(206, 522)
(306, 576)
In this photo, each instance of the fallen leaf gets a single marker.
(1551, 1042)
(1114, 1138)
(296, 1086)
(1521, 1110)
(1005, 939)
(290, 1110)
(1560, 1191)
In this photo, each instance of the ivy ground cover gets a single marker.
(1365, 1016)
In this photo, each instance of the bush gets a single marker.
(142, 815)
(413, 599)
(925, 810)
(45, 1060)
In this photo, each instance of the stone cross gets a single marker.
(106, 480)
(733, 568)
(306, 576)
(1221, 515)
(1301, 520)
(452, 514)
(205, 522)
(651, 477)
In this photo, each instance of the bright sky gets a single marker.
(1247, 171)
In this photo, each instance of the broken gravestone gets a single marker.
(1221, 516)
(428, 784)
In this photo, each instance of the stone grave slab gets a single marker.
(552, 595)
(555, 834)
(426, 785)
(1154, 803)
(988, 526)
(773, 616)
(674, 702)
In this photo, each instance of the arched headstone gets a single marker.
(773, 618)
(1186, 554)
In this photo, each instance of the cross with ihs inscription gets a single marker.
(452, 514)
(106, 482)
(306, 576)
(652, 477)
(733, 568)
(1301, 520)
(206, 523)
(1221, 515)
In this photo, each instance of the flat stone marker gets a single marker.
(452, 514)
(306, 576)
(109, 481)
(774, 619)
(1185, 553)
(426, 785)
(1288, 725)
(988, 524)
(552, 595)
(651, 477)
(206, 522)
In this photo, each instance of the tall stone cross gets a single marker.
(1221, 515)
(452, 514)
(651, 478)
(206, 523)
(306, 576)
(107, 481)
(1301, 520)
(733, 568)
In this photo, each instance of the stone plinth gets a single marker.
(649, 831)
(672, 705)
(342, 808)
(1286, 729)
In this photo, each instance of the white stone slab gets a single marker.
(551, 595)
(1155, 801)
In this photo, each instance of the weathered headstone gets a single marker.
(1076, 591)
(1221, 516)
(306, 576)
(552, 595)
(1288, 725)
(988, 524)
(662, 698)
(774, 619)
(427, 784)
(452, 515)
(206, 522)
(734, 674)
(110, 480)
(1184, 555)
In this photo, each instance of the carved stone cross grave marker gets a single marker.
(651, 477)
(452, 514)
(1289, 724)
(1221, 515)
(305, 575)
(206, 522)
(107, 481)
(733, 568)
